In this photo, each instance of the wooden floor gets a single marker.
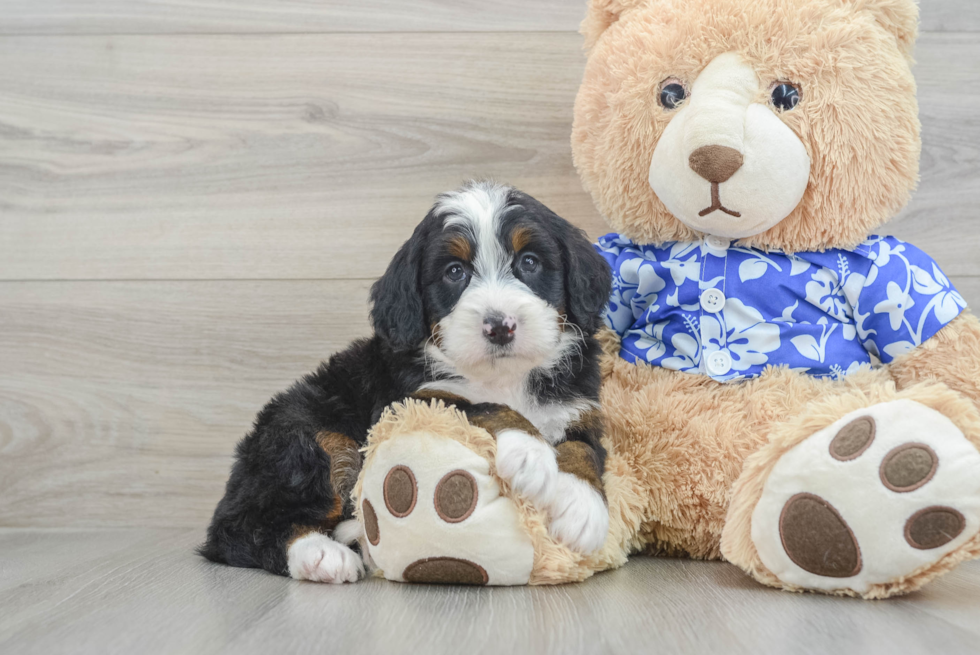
(143, 591)
(194, 199)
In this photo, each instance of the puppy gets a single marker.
(492, 306)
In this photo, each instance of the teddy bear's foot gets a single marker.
(871, 501)
(432, 512)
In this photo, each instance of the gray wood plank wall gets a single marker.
(194, 200)
(297, 16)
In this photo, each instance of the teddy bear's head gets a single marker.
(789, 124)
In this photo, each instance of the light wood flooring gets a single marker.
(194, 199)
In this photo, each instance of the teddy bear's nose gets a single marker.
(715, 163)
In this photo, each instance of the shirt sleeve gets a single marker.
(619, 313)
(905, 300)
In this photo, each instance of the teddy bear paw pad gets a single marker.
(433, 513)
(875, 497)
(445, 570)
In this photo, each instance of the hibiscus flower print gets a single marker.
(897, 302)
(687, 348)
(825, 314)
(651, 340)
(937, 300)
(948, 302)
(683, 263)
(743, 331)
(641, 285)
(826, 291)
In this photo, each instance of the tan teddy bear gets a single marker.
(782, 389)
(788, 393)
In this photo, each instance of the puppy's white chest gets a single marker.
(551, 419)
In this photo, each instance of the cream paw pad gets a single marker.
(879, 495)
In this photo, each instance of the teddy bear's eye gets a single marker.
(785, 96)
(672, 93)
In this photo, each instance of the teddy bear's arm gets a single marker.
(952, 357)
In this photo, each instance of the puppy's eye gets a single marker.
(785, 96)
(529, 263)
(672, 93)
(455, 273)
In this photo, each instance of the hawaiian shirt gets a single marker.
(728, 312)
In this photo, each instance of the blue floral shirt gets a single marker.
(713, 308)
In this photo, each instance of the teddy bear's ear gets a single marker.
(602, 14)
(900, 17)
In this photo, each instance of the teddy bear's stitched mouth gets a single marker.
(716, 203)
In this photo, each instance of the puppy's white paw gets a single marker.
(529, 465)
(579, 515)
(319, 558)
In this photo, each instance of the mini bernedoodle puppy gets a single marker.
(492, 305)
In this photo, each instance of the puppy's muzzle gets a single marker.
(499, 329)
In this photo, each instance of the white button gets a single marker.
(718, 243)
(712, 300)
(719, 362)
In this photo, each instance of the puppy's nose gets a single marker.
(715, 163)
(499, 329)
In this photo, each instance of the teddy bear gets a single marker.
(783, 387)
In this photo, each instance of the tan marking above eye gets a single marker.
(520, 238)
(460, 248)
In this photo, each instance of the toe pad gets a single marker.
(817, 539)
(445, 570)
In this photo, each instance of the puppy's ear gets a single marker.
(588, 280)
(398, 312)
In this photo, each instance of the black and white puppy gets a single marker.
(492, 305)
